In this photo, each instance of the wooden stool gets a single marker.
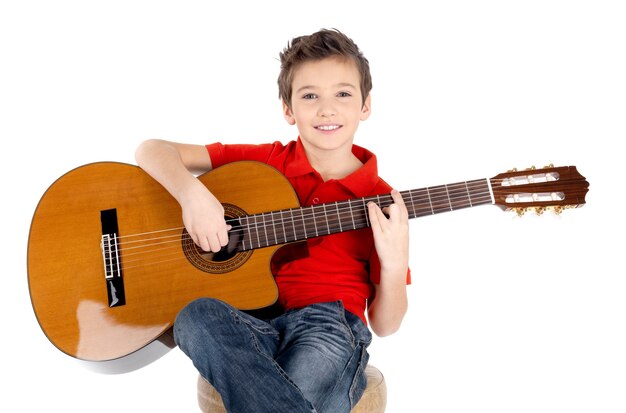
(374, 399)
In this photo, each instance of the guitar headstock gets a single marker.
(548, 188)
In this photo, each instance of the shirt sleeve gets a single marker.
(221, 154)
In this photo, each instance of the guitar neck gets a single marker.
(297, 224)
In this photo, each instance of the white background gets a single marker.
(506, 314)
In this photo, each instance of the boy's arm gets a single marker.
(391, 240)
(173, 165)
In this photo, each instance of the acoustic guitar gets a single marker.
(110, 263)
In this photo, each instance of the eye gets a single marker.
(343, 94)
(309, 96)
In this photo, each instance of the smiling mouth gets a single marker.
(328, 128)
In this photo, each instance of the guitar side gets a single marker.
(67, 272)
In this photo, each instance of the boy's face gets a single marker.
(326, 103)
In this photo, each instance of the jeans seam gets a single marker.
(344, 321)
(360, 370)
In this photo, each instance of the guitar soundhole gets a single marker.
(229, 257)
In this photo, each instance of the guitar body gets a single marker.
(67, 268)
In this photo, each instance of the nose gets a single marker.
(326, 108)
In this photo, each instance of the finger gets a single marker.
(397, 196)
(223, 236)
(372, 212)
(399, 201)
(378, 217)
(392, 211)
(203, 243)
(214, 242)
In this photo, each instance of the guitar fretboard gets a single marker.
(296, 224)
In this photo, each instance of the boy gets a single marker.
(312, 357)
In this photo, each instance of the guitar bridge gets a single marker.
(111, 258)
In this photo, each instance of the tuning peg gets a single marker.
(512, 170)
(557, 209)
(551, 165)
(539, 210)
(532, 168)
(519, 211)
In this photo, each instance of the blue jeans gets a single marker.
(307, 360)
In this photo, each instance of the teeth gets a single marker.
(328, 127)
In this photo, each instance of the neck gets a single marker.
(333, 164)
(278, 227)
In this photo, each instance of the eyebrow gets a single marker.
(341, 84)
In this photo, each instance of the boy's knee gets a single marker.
(201, 307)
(196, 316)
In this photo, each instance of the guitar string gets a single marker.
(335, 217)
(346, 206)
(313, 214)
(333, 220)
(174, 244)
(175, 250)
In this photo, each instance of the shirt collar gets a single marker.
(360, 183)
(299, 164)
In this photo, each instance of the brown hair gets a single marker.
(319, 45)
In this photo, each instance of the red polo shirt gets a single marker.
(332, 267)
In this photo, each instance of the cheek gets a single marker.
(303, 113)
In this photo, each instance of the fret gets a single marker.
(430, 201)
(318, 220)
(351, 214)
(312, 231)
(265, 229)
(439, 199)
(448, 195)
(304, 233)
(298, 232)
(254, 233)
(326, 217)
(274, 228)
(367, 220)
(339, 215)
(293, 225)
(458, 196)
(421, 203)
(411, 204)
(247, 232)
(362, 216)
(256, 229)
(314, 221)
(282, 220)
(469, 196)
(480, 192)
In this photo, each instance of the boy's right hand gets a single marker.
(203, 217)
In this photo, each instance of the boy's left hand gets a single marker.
(391, 235)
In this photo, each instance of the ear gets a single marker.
(288, 114)
(366, 110)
